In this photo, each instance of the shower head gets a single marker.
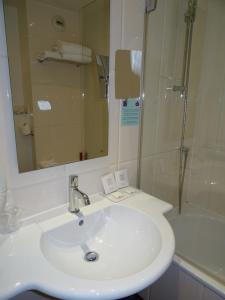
(103, 63)
(103, 73)
(191, 11)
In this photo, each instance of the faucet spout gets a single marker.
(84, 196)
(75, 195)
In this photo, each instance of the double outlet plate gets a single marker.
(112, 182)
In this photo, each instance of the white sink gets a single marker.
(133, 240)
(126, 241)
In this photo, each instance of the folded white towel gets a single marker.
(77, 58)
(72, 48)
(49, 54)
(47, 163)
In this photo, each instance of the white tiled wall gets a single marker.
(39, 190)
(60, 84)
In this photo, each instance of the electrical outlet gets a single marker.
(109, 183)
(121, 178)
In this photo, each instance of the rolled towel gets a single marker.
(49, 54)
(72, 48)
(47, 163)
(77, 58)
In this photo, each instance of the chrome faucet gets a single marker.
(75, 195)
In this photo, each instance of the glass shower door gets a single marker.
(163, 107)
(204, 181)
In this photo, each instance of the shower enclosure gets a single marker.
(182, 157)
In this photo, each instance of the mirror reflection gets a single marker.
(128, 67)
(59, 69)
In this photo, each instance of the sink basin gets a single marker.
(125, 241)
(112, 251)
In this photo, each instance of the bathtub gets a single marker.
(200, 249)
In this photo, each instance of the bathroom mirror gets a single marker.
(59, 70)
(128, 64)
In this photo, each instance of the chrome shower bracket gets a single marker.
(178, 88)
(181, 89)
(150, 5)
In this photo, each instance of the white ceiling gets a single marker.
(68, 4)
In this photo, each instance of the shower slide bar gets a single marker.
(189, 19)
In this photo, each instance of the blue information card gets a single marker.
(130, 112)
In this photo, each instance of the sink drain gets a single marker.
(91, 256)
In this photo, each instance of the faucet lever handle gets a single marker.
(74, 181)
